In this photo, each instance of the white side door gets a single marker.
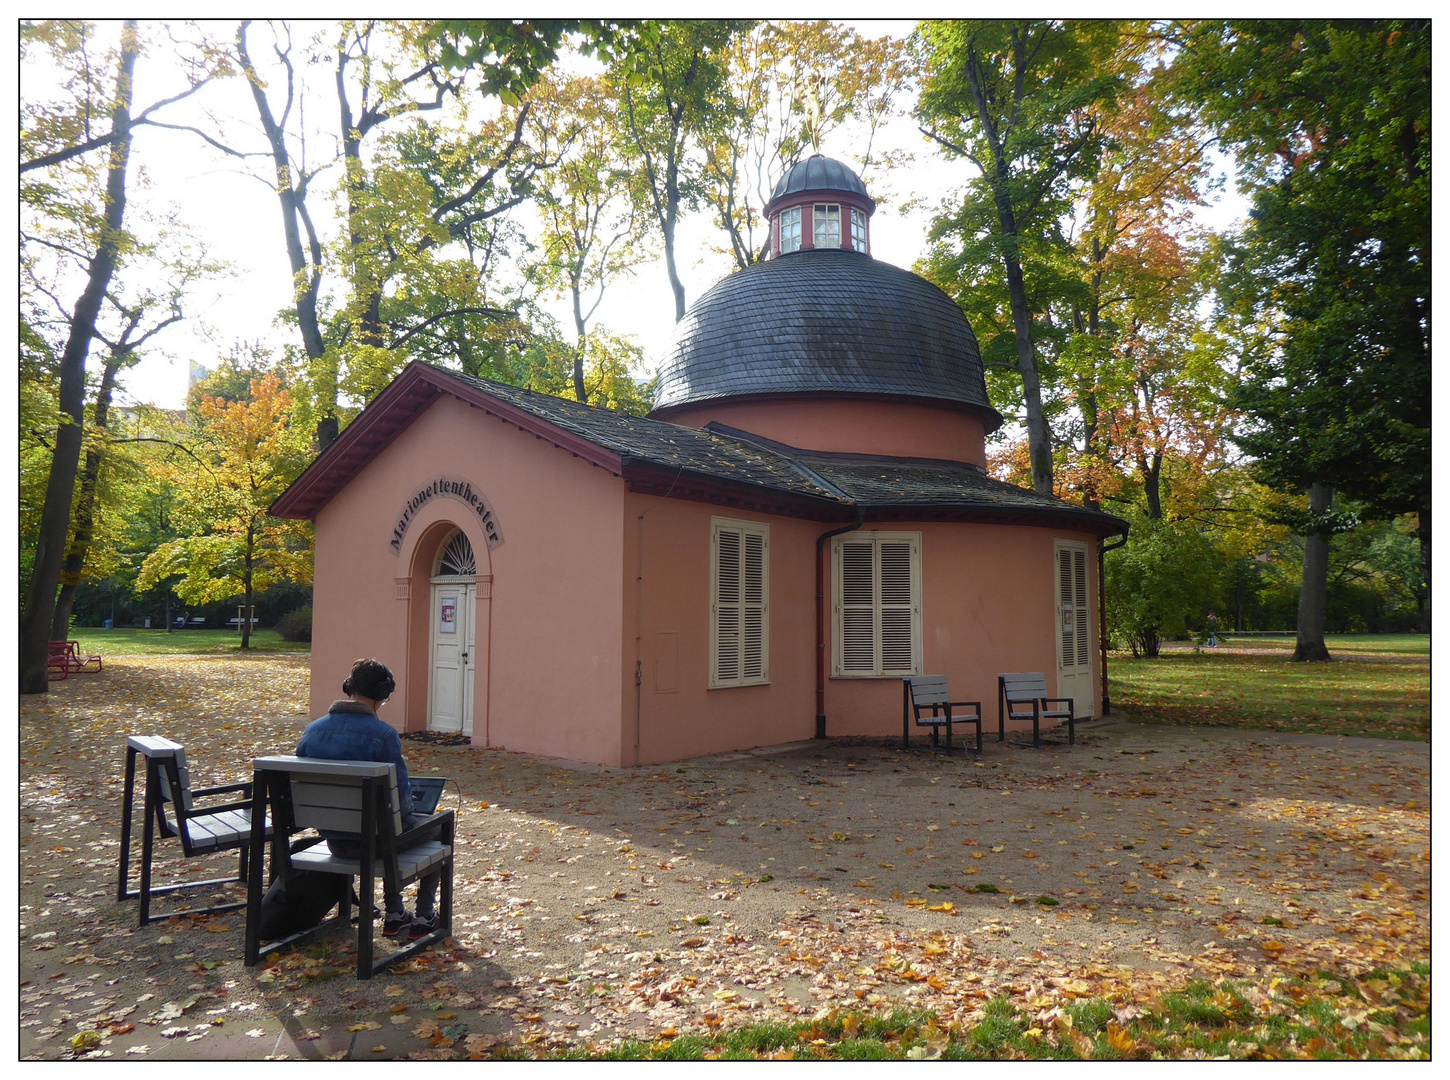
(470, 657)
(448, 613)
(1074, 637)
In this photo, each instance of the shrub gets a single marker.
(296, 625)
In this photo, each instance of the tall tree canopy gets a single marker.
(1329, 285)
(1021, 101)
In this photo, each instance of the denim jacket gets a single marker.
(352, 732)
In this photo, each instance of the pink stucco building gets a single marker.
(804, 519)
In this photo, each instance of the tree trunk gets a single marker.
(1423, 532)
(40, 598)
(672, 209)
(80, 545)
(1152, 473)
(305, 277)
(247, 590)
(580, 333)
(1039, 439)
(1313, 594)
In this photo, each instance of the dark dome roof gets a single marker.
(817, 173)
(834, 322)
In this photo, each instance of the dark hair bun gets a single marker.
(371, 679)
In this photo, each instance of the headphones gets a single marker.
(381, 692)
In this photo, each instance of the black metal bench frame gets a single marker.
(1030, 688)
(920, 691)
(202, 830)
(365, 802)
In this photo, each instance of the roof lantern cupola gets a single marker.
(820, 204)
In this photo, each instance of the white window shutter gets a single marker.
(858, 606)
(727, 606)
(1066, 621)
(896, 596)
(752, 608)
(739, 602)
(1080, 604)
(877, 583)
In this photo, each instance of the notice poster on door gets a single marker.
(448, 615)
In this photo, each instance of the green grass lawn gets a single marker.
(1378, 686)
(1378, 1016)
(1340, 644)
(132, 642)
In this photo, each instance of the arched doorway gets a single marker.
(453, 617)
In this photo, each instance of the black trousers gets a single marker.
(393, 902)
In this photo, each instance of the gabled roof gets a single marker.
(715, 464)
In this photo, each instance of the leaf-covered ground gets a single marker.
(1154, 891)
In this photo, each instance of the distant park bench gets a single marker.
(195, 623)
(930, 691)
(234, 621)
(63, 657)
(1025, 690)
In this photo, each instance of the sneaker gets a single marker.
(397, 923)
(422, 926)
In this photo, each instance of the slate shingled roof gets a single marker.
(670, 446)
(835, 322)
(716, 464)
(866, 481)
(817, 173)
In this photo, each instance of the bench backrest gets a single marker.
(327, 794)
(1023, 685)
(928, 689)
(159, 751)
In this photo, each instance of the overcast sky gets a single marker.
(238, 220)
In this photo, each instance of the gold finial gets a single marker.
(814, 116)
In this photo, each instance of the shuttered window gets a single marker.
(739, 602)
(1073, 638)
(877, 604)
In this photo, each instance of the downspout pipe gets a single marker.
(821, 617)
(1103, 616)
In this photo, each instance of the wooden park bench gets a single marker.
(922, 691)
(1024, 694)
(202, 830)
(359, 797)
(65, 656)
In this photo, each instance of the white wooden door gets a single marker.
(1074, 637)
(470, 657)
(450, 683)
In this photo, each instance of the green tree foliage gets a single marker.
(99, 214)
(1021, 101)
(591, 231)
(229, 545)
(1328, 288)
(672, 78)
(1162, 584)
(791, 84)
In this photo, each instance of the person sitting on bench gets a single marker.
(351, 731)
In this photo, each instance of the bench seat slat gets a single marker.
(414, 862)
(229, 828)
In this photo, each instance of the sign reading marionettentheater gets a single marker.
(454, 488)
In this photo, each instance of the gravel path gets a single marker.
(598, 904)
